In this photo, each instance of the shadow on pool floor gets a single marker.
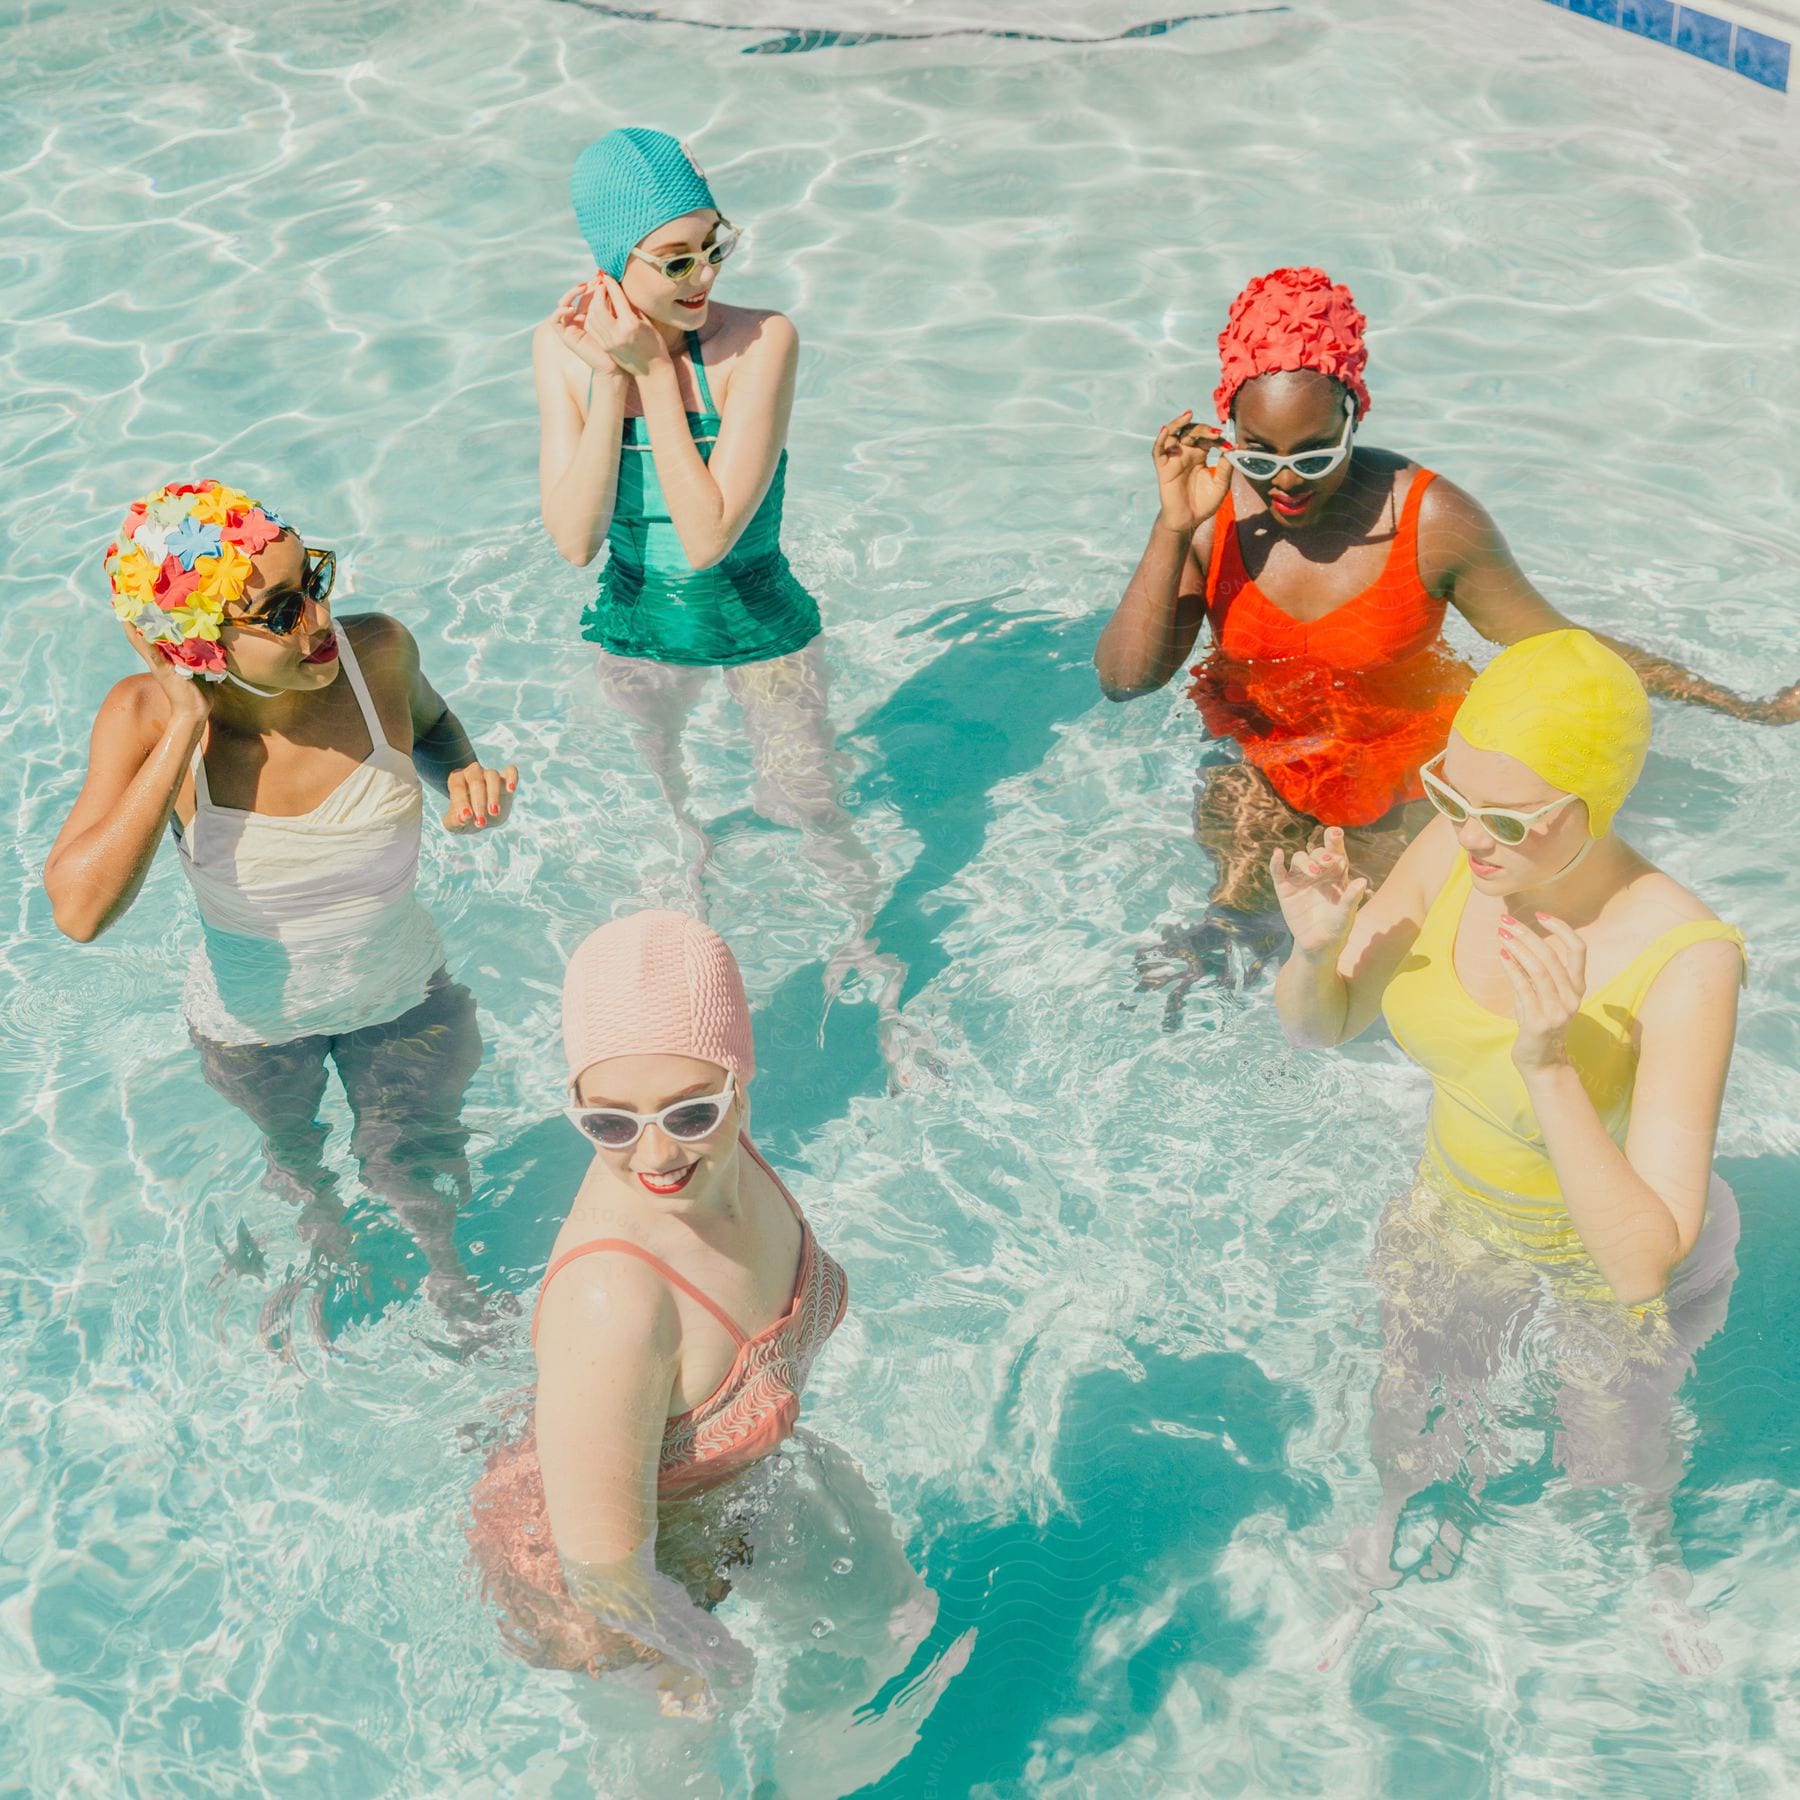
(1155, 1473)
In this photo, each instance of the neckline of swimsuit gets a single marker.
(1454, 931)
(708, 407)
(365, 704)
(1402, 535)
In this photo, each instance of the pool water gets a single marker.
(1108, 1364)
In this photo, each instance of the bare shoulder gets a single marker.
(1457, 535)
(134, 712)
(378, 634)
(1424, 866)
(550, 355)
(1655, 902)
(611, 1300)
(1445, 507)
(750, 332)
(384, 647)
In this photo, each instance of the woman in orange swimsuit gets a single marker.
(1323, 567)
(684, 1303)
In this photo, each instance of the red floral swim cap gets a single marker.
(1292, 319)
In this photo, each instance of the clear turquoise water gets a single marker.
(1112, 1342)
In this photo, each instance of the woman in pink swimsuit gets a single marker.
(684, 1303)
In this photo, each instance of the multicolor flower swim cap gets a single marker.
(1571, 710)
(629, 182)
(1293, 319)
(182, 557)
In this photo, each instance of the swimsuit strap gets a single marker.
(1661, 951)
(347, 656)
(197, 764)
(1406, 533)
(1224, 541)
(700, 381)
(624, 1247)
(699, 362)
(781, 1187)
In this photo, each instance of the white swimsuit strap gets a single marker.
(190, 839)
(197, 766)
(371, 718)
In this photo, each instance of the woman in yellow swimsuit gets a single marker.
(1575, 1008)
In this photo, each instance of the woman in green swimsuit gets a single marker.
(663, 419)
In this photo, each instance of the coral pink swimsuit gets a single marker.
(745, 1417)
(1339, 712)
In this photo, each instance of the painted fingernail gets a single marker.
(1545, 917)
(467, 814)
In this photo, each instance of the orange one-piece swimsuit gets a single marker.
(1338, 713)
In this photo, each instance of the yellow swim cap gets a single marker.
(1570, 710)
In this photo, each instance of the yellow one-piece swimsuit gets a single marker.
(1484, 1152)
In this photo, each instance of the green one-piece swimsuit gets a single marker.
(654, 603)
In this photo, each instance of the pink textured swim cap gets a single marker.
(656, 984)
(1292, 319)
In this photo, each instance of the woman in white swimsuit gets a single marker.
(295, 802)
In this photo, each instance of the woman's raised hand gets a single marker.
(1548, 976)
(570, 322)
(480, 797)
(1318, 895)
(186, 693)
(608, 333)
(1190, 491)
(602, 326)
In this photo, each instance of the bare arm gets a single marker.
(608, 1349)
(442, 751)
(710, 502)
(1345, 953)
(1152, 631)
(1638, 1210)
(138, 755)
(578, 457)
(1464, 558)
(1154, 627)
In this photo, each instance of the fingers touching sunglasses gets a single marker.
(1309, 465)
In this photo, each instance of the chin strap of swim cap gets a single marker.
(1571, 865)
(260, 693)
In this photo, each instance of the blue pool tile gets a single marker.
(1607, 10)
(1649, 18)
(1559, 2)
(1700, 34)
(1762, 58)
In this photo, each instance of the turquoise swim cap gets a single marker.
(628, 183)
